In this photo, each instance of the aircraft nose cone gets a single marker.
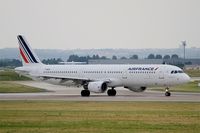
(187, 78)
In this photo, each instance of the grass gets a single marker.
(189, 87)
(11, 75)
(12, 87)
(193, 73)
(98, 117)
(7, 86)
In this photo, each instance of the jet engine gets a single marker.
(97, 87)
(136, 89)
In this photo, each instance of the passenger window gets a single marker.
(180, 71)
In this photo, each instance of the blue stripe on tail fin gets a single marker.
(21, 39)
(27, 51)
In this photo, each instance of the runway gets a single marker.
(73, 94)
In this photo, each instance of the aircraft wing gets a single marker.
(74, 79)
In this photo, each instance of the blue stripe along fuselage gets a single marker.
(27, 48)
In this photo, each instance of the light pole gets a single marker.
(184, 45)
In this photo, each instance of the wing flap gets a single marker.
(76, 79)
(64, 77)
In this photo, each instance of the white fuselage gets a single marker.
(97, 78)
(118, 75)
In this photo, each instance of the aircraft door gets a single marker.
(161, 75)
(124, 75)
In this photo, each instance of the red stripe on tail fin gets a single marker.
(23, 56)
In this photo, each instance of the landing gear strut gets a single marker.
(85, 93)
(167, 93)
(111, 92)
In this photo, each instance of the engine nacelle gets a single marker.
(136, 89)
(97, 87)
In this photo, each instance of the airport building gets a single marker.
(189, 63)
(126, 61)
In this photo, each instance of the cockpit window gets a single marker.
(176, 71)
(180, 71)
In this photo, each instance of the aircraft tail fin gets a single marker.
(27, 54)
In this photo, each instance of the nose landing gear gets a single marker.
(167, 93)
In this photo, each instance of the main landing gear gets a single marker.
(111, 92)
(85, 93)
(167, 93)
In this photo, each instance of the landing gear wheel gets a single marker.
(167, 94)
(85, 93)
(111, 92)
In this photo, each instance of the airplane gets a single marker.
(101, 78)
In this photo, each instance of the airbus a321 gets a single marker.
(101, 78)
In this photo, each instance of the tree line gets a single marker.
(10, 63)
(158, 56)
(76, 58)
(16, 63)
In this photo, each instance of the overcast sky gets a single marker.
(71, 24)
